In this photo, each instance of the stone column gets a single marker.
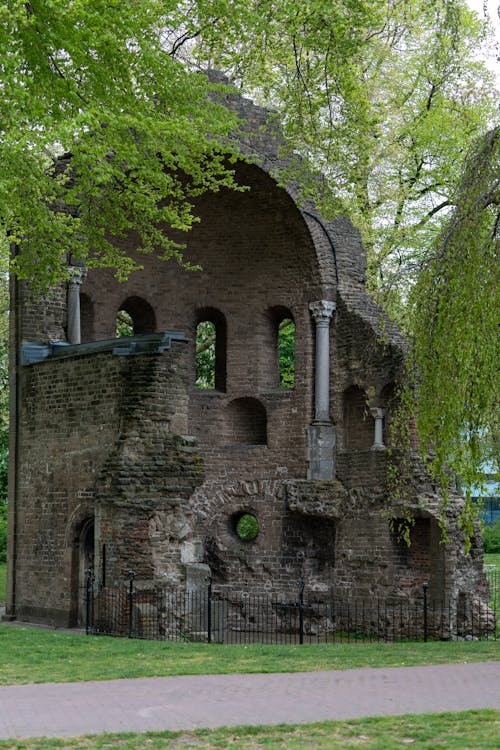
(321, 433)
(322, 312)
(77, 276)
(378, 415)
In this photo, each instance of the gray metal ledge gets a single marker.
(148, 343)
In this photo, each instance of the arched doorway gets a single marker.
(85, 556)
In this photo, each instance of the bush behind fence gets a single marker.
(216, 615)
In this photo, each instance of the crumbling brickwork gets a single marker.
(122, 463)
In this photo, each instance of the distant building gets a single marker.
(488, 496)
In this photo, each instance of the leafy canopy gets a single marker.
(456, 320)
(96, 79)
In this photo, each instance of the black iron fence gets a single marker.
(214, 615)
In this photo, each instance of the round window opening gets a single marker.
(247, 527)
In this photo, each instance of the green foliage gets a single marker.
(491, 538)
(205, 355)
(382, 98)
(247, 527)
(100, 81)
(455, 319)
(31, 655)
(124, 325)
(286, 349)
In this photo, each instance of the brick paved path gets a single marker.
(217, 700)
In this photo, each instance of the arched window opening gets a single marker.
(279, 348)
(83, 561)
(86, 318)
(359, 426)
(286, 353)
(246, 422)
(210, 354)
(135, 317)
(206, 339)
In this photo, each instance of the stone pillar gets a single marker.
(77, 276)
(322, 312)
(321, 433)
(378, 415)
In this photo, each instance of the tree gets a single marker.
(97, 80)
(4, 412)
(455, 321)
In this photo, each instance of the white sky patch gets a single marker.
(490, 9)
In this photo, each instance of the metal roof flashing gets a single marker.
(33, 352)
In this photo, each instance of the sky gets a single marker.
(492, 7)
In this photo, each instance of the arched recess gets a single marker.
(417, 546)
(211, 349)
(83, 561)
(310, 235)
(139, 317)
(246, 422)
(86, 318)
(359, 426)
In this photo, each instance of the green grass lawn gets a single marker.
(3, 575)
(30, 655)
(467, 730)
(492, 560)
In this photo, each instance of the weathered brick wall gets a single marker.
(256, 256)
(85, 424)
(367, 361)
(110, 437)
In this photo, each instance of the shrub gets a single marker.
(247, 527)
(491, 538)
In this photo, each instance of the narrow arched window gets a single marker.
(278, 348)
(206, 339)
(286, 353)
(210, 354)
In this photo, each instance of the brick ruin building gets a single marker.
(119, 460)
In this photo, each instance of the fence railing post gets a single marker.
(425, 586)
(89, 601)
(301, 611)
(209, 610)
(131, 576)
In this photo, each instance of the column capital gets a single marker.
(322, 311)
(77, 275)
(377, 412)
